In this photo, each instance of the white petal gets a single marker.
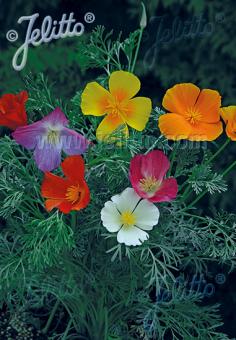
(132, 236)
(146, 214)
(111, 217)
(127, 200)
(144, 226)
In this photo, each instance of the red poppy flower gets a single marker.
(147, 176)
(12, 110)
(68, 193)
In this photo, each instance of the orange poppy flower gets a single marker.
(228, 114)
(118, 104)
(68, 193)
(12, 110)
(194, 113)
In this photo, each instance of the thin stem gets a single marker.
(230, 167)
(73, 220)
(51, 316)
(67, 330)
(219, 150)
(137, 49)
(172, 161)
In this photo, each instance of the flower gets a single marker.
(130, 216)
(12, 110)
(118, 104)
(69, 193)
(48, 137)
(147, 174)
(195, 113)
(228, 114)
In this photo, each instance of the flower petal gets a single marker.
(137, 112)
(111, 218)
(106, 130)
(180, 98)
(73, 168)
(206, 132)
(56, 117)
(146, 213)
(85, 199)
(229, 116)
(52, 203)
(208, 104)
(30, 135)
(127, 200)
(65, 207)
(174, 127)
(123, 85)
(132, 236)
(54, 186)
(95, 100)
(47, 158)
(155, 164)
(73, 143)
(167, 192)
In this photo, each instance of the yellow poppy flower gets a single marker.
(228, 114)
(118, 104)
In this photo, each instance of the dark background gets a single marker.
(185, 41)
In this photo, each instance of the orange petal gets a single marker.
(107, 129)
(95, 99)
(180, 98)
(53, 186)
(173, 126)
(206, 132)
(84, 200)
(138, 112)
(65, 207)
(208, 104)
(73, 167)
(228, 113)
(123, 85)
(51, 203)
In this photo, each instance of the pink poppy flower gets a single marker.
(48, 138)
(147, 176)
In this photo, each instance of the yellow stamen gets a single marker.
(149, 184)
(193, 116)
(53, 136)
(73, 194)
(128, 218)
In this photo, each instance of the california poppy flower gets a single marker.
(48, 138)
(229, 116)
(194, 113)
(68, 193)
(12, 110)
(118, 104)
(147, 176)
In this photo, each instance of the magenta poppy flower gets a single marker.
(147, 176)
(48, 138)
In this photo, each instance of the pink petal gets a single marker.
(167, 192)
(73, 143)
(135, 173)
(29, 135)
(56, 117)
(47, 158)
(155, 164)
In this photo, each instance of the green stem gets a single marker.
(51, 316)
(67, 330)
(137, 49)
(219, 150)
(172, 161)
(73, 220)
(230, 167)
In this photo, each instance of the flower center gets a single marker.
(128, 218)
(193, 116)
(73, 194)
(53, 136)
(149, 184)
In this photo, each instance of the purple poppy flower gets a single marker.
(48, 137)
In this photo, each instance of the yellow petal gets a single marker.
(108, 130)
(137, 112)
(180, 98)
(123, 85)
(94, 100)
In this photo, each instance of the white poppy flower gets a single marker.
(130, 216)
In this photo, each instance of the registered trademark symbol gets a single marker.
(220, 279)
(89, 18)
(12, 35)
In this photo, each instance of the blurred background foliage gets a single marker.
(185, 41)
